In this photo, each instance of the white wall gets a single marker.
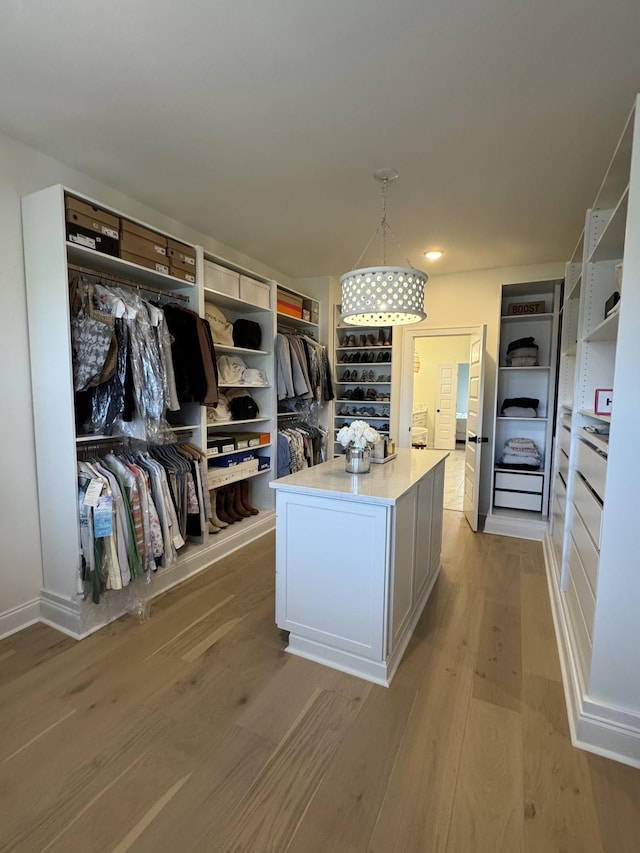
(433, 351)
(22, 171)
(464, 300)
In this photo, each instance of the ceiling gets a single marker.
(260, 122)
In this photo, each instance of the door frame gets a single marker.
(405, 396)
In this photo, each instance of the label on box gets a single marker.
(519, 309)
(81, 240)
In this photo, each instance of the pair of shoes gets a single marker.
(343, 411)
(349, 341)
(357, 394)
(384, 428)
(346, 395)
(371, 395)
(384, 379)
(346, 376)
(231, 504)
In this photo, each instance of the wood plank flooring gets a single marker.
(195, 731)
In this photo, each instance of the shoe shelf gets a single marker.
(369, 351)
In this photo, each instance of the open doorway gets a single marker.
(439, 352)
(439, 412)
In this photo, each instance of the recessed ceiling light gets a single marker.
(434, 254)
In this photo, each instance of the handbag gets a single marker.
(247, 334)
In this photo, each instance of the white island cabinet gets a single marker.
(356, 559)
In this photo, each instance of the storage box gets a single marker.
(247, 439)
(181, 255)
(183, 275)
(289, 303)
(523, 309)
(135, 230)
(151, 249)
(265, 438)
(264, 462)
(91, 224)
(233, 459)
(220, 444)
(255, 292)
(221, 279)
(90, 211)
(92, 240)
(157, 265)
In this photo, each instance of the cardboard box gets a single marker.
(158, 265)
(181, 255)
(184, 275)
(289, 310)
(264, 462)
(233, 460)
(135, 245)
(128, 227)
(265, 438)
(91, 224)
(91, 212)
(92, 240)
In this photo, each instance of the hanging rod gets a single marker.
(128, 283)
(292, 330)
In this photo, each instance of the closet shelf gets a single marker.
(240, 385)
(222, 348)
(610, 245)
(117, 266)
(591, 414)
(508, 319)
(235, 423)
(235, 476)
(599, 441)
(232, 303)
(532, 420)
(607, 330)
(296, 322)
(527, 369)
(365, 348)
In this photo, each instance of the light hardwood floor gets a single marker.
(195, 731)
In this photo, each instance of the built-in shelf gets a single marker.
(532, 367)
(255, 447)
(524, 318)
(222, 348)
(235, 423)
(572, 350)
(574, 293)
(591, 414)
(240, 385)
(601, 442)
(232, 303)
(607, 330)
(100, 262)
(503, 418)
(294, 322)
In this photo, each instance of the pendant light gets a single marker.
(383, 295)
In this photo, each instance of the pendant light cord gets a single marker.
(386, 228)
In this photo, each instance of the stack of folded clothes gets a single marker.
(522, 353)
(520, 407)
(521, 454)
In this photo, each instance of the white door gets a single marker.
(445, 418)
(473, 450)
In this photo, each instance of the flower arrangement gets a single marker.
(358, 435)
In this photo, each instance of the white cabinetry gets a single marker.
(520, 493)
(594, 542)
(354, 603)
(48, 259)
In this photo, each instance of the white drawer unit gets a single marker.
(563, 464)
(592, 465)
(519, 482)
(564, 438)
(518, 500)
(584, 593)
(589, 508)
(581, 635)
(588, 552)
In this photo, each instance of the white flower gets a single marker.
(358, 435)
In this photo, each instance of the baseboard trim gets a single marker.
(14, 620)
(80, 619)
(595, 727)
(521, 528)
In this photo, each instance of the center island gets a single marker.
(356, 558)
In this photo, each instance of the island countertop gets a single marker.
(384, 484)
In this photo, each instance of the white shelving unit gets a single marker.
(593, 544)
(240, 295)
(362, 360)
(48, 256)
(520, 498)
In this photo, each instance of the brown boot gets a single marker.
(237, 500)
(215, 519)
(244, 495)
(221, 507)
(228, 504)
